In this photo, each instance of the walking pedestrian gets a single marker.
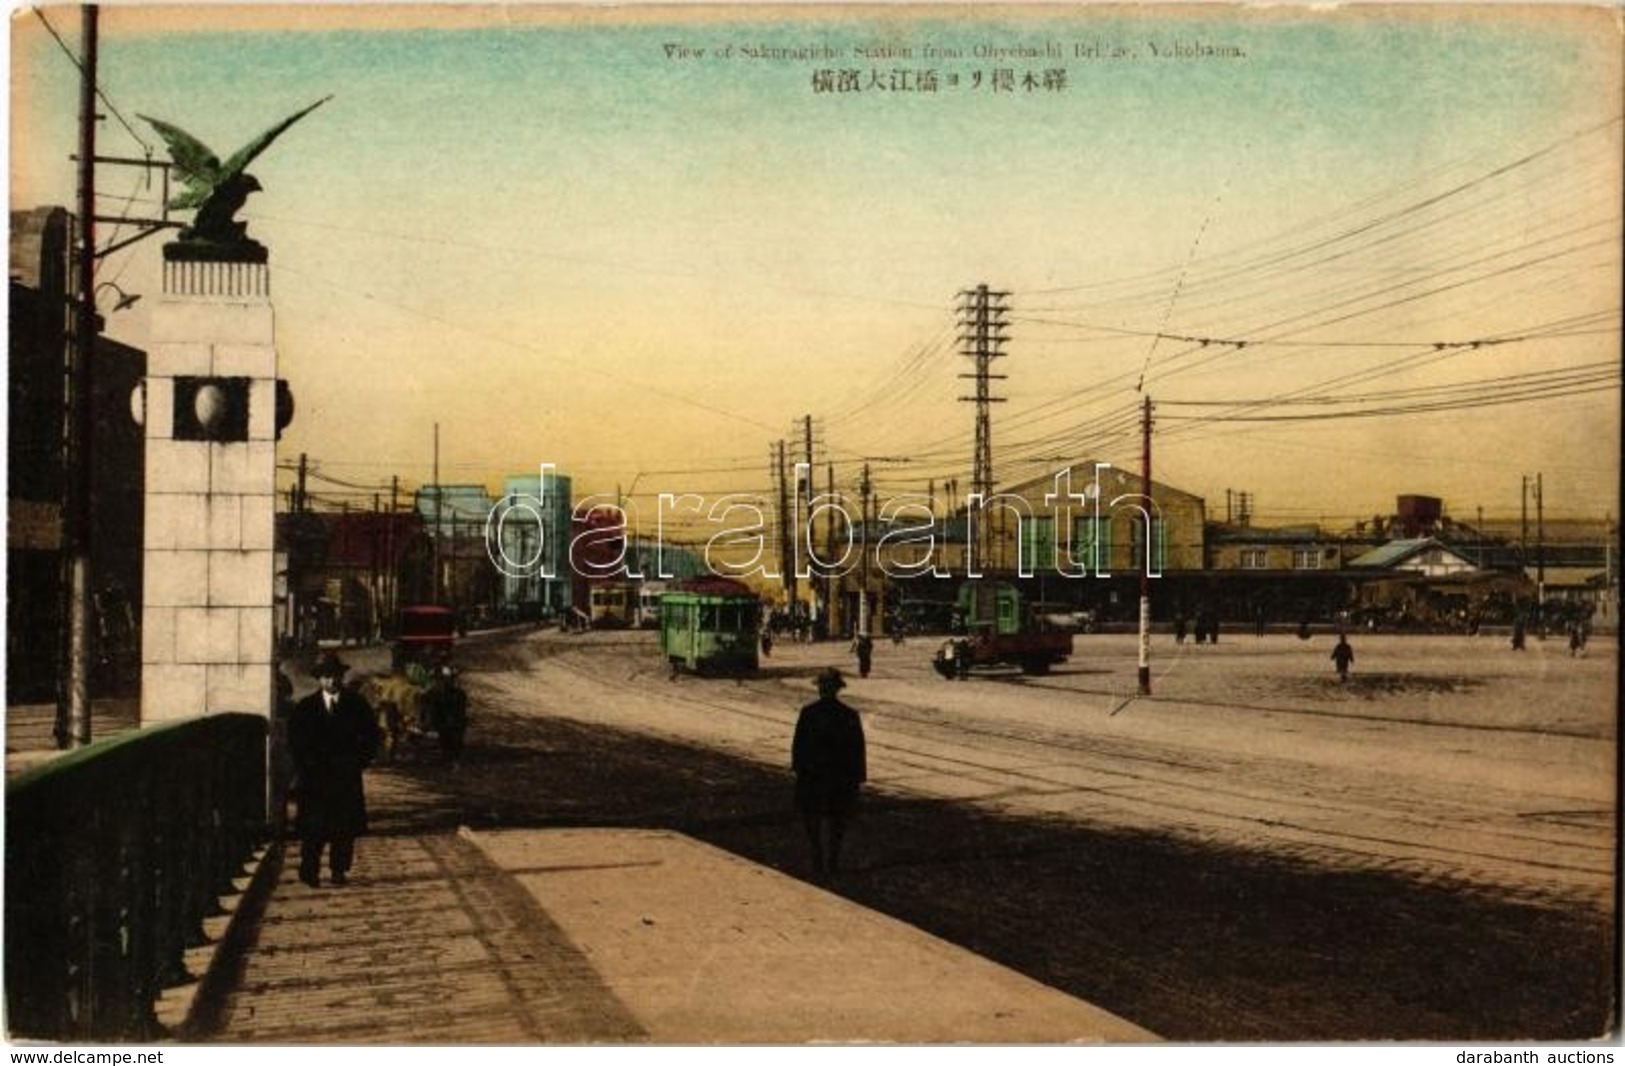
(829, 760)
(1179, 628)
(448, 712)
(1577, 638)
(864, 645)
(1343, 657)
(1518, 632)
(332, 737)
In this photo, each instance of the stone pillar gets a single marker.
(211, 426)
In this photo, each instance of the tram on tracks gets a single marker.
(710, 625)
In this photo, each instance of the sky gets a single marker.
(1348, 254)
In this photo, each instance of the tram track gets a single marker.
(1211, 876)
(1308, 712)
(1136, 782)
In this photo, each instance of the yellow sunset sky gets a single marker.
(1349, 254)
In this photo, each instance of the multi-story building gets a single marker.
(532, 532)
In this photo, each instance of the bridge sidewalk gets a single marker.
(575, 936)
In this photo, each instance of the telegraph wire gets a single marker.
(1239, 343)
(100, 93)
(1600, 369)
(1337, 215)
(1168, 373)
(1249, 268)
(1419, 408)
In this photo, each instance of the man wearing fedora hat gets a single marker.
(332, 737)
(828, 757)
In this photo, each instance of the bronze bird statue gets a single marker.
(217, 190)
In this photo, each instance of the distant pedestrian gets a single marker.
(864, 646)
(1179, 628)
(332, 737)
(1577, 638)
(767, 641)
(830, 762)
(448, 712)
(1518, 633)
(1258, 621)
(1342, 657)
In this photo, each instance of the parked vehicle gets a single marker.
(1002, 630)
(709, 625)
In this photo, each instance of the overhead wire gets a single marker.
(101, 94)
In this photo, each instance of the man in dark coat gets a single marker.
(332, 737)
(1342, 657)
(864, 646)
(448, 711)
(829, 760)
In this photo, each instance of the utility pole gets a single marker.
(1150, 550)
(863, 593)
(819, 585)
(73, 718)
(435, 543)
(1523, 536)
(391, 572)
(786, 524)
(1540, 548)
(297, 621)
(982, 337)
(344, 582)
(829, 546)
(375, 578)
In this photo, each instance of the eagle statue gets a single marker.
(217, 190)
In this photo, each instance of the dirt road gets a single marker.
(1255, 852)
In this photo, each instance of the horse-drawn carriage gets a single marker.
(420, 695)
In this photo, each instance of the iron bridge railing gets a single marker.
(115, 854)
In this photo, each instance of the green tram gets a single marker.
(709, 625)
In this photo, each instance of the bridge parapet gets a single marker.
(114, 855)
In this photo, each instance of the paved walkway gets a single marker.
(601, 936)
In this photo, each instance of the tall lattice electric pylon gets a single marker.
(982, 336)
